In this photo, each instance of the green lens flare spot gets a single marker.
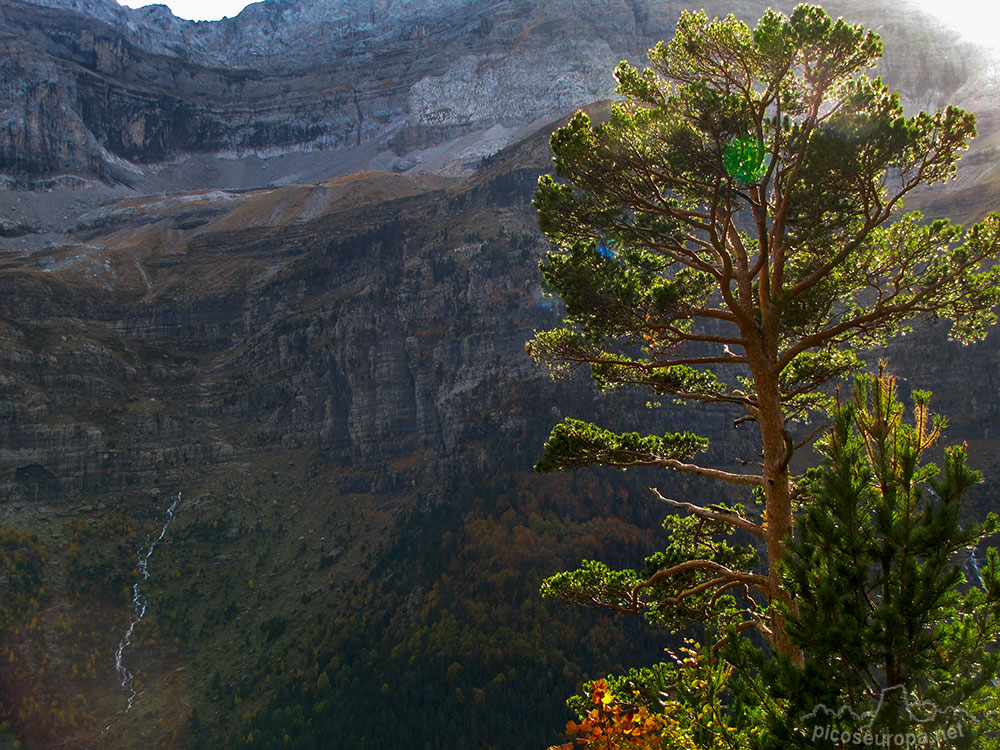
(745, 160)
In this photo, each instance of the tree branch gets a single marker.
(701, 471)
(730, 519)
(759, 582)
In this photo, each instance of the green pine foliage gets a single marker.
(734, 233)
(883, 608)
(576, 443)
(670, 592)
(896, 639)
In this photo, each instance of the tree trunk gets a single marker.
(777, 487)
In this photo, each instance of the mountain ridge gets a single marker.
(95, 91)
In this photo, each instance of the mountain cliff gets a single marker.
(333, 377)
(92, 90)
(285, 265)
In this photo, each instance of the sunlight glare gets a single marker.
(976, 20)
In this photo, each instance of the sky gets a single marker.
(196, 10)
(979, 20)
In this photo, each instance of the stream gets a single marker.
(125, 677)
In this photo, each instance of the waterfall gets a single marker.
(125, 677)
(975, 566)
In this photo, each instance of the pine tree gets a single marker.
(732, 235)
(899, 648)
(889, 624)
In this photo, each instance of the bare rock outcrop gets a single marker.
(92, 89)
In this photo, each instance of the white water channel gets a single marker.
(125, 677)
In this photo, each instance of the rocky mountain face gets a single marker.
(322, 371)
(238, 336)
(103, 92)
(285, 264)
(92, 90)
